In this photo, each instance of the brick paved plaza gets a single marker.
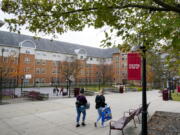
(57, 117)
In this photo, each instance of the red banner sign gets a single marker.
(134, 66)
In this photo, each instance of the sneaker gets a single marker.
(95, 124)
(77, 125)
(83, 124)
(102, 126)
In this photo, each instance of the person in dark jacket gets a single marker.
(100, 104)
(80, 107)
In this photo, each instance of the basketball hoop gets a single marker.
(71, 78)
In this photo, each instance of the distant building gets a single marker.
(38, 61)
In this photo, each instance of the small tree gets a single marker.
(6, 69)
(8, 73)
(69, 68)
(104, 72)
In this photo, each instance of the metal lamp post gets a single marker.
(67, 86)
(99, 83)
(99, 80)
(22, 78)
(144, 97)
(69, 83)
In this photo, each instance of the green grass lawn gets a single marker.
(175, 96)
(95, 88)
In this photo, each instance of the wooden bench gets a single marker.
(43, 96)
(122, 122)
(139, 111)
(24, 93)
(34, 95)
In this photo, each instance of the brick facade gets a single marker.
(44, 67)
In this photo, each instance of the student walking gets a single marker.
(61, 91)
(57, 91)
(100, 104)
(81, 108)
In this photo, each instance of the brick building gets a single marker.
(39, 61)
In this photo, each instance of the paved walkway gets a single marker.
(57, 117)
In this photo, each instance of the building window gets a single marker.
(55, 63)
(5, 59)
(82, 72)
(42, 70)
(27, 60)
(40, 80)
(91, 58)
(13, 51)
(38, 62)
(27, 52)
(27, 69)
(81, 57)
(54, 71)
(37, 80)
(88, 65)
(15, 61)
(118, 65)
(116, 58)
(55, 80)
(44, 62)
(43, 80)
(38, 71)
(6, 50)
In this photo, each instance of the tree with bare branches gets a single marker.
(104, 73)
(71, 68)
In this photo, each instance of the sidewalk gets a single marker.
(57, 117)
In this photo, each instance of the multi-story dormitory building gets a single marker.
(38, 60)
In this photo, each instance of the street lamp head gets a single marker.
(1, 23)
(135, 48)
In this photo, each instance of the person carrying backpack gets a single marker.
(81, 102)
(100, 104)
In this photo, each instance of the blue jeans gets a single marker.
(79, 111)
(100, 115)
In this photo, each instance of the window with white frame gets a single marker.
(27, 60)
(27, 69)
(38, 71)
(55, 63)
(54, 71)
(42, 70)
(43, 62)
(38, 62)
(28, 52)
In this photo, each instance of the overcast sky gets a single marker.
(88, 37)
